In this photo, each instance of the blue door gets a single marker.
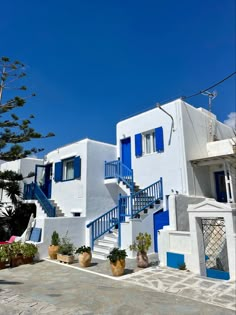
(160, 219)
(220, 186)
(126, 152)
(43, 175)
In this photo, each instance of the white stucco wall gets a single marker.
(198, 128)
(171, 163)
(100, 197)
(22, 166)
(89, 195)
(74, 226)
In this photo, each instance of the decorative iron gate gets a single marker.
(215, 245)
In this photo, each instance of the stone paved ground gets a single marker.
(49, 288)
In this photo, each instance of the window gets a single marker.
(149, 142)
(68, 169)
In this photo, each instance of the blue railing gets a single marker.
(116, 169)
(146, 197)
(33, 191)
(103, 224)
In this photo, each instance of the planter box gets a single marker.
(68, 259)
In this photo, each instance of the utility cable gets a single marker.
(210, 87)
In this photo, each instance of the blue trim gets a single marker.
(77, 167)
(103, 224)
(217, 274)
(58, 172)
(160, 219)
(174, 260)
(116, 169)
(35, 235)
(126, 152)
(138, 145)
(159, 139)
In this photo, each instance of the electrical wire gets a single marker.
(210, 87)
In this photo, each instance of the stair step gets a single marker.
(99, 255)
(107, 243)
(111, 237)
(102, 249)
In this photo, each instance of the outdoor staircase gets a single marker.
(58, 210)
(105, 244)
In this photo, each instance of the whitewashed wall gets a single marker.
(74, 226)
(171, 163)
(22, 166)
(88, 194)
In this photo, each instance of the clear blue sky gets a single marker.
(93, 63)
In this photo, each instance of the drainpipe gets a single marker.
(172, 124)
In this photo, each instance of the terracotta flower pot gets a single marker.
(142, 260)
(118, 267)
(85, 259)
(52, 251)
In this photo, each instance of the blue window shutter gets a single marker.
(138, 145)
(58, 172)
(159, 139)
(77, 167)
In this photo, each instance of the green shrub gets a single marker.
(116, 254)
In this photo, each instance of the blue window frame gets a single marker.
(68, 169)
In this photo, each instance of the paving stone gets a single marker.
(206, 284)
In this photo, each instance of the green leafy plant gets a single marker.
(29, 250)
(182, 266)
(83, 249)
(117, 254)
(142, 243)
(66, 246)
(55, 239)
(4, 253)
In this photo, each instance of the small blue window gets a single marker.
(58, 172)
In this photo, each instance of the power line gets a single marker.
(210, 87)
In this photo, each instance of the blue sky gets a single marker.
(93, 63)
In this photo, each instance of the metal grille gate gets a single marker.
(216, 256)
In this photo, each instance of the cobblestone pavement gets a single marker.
(186, 284)
(46, 288)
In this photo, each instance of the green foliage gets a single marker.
(55, 239)
(29, 250)
(142, 243)
(66, 246)
(182, 266)
(117, 254)
(4, 255)
(14, 130)
(83, 249)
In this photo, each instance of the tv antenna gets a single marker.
(211, 96)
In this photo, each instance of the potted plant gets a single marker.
(117, 261)
(29, 251)
(16, 254)
(3, 256)
(53, 248)
(84, 256)
(141, 245)
(66, 250)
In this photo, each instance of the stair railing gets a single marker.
(146, 197)
(116, 169)
(33, 191)
(103, 224)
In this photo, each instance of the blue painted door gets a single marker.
(221, 195)
(126, 152)
(48, 181)
(160, 219)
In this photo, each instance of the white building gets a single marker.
(167, 161)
